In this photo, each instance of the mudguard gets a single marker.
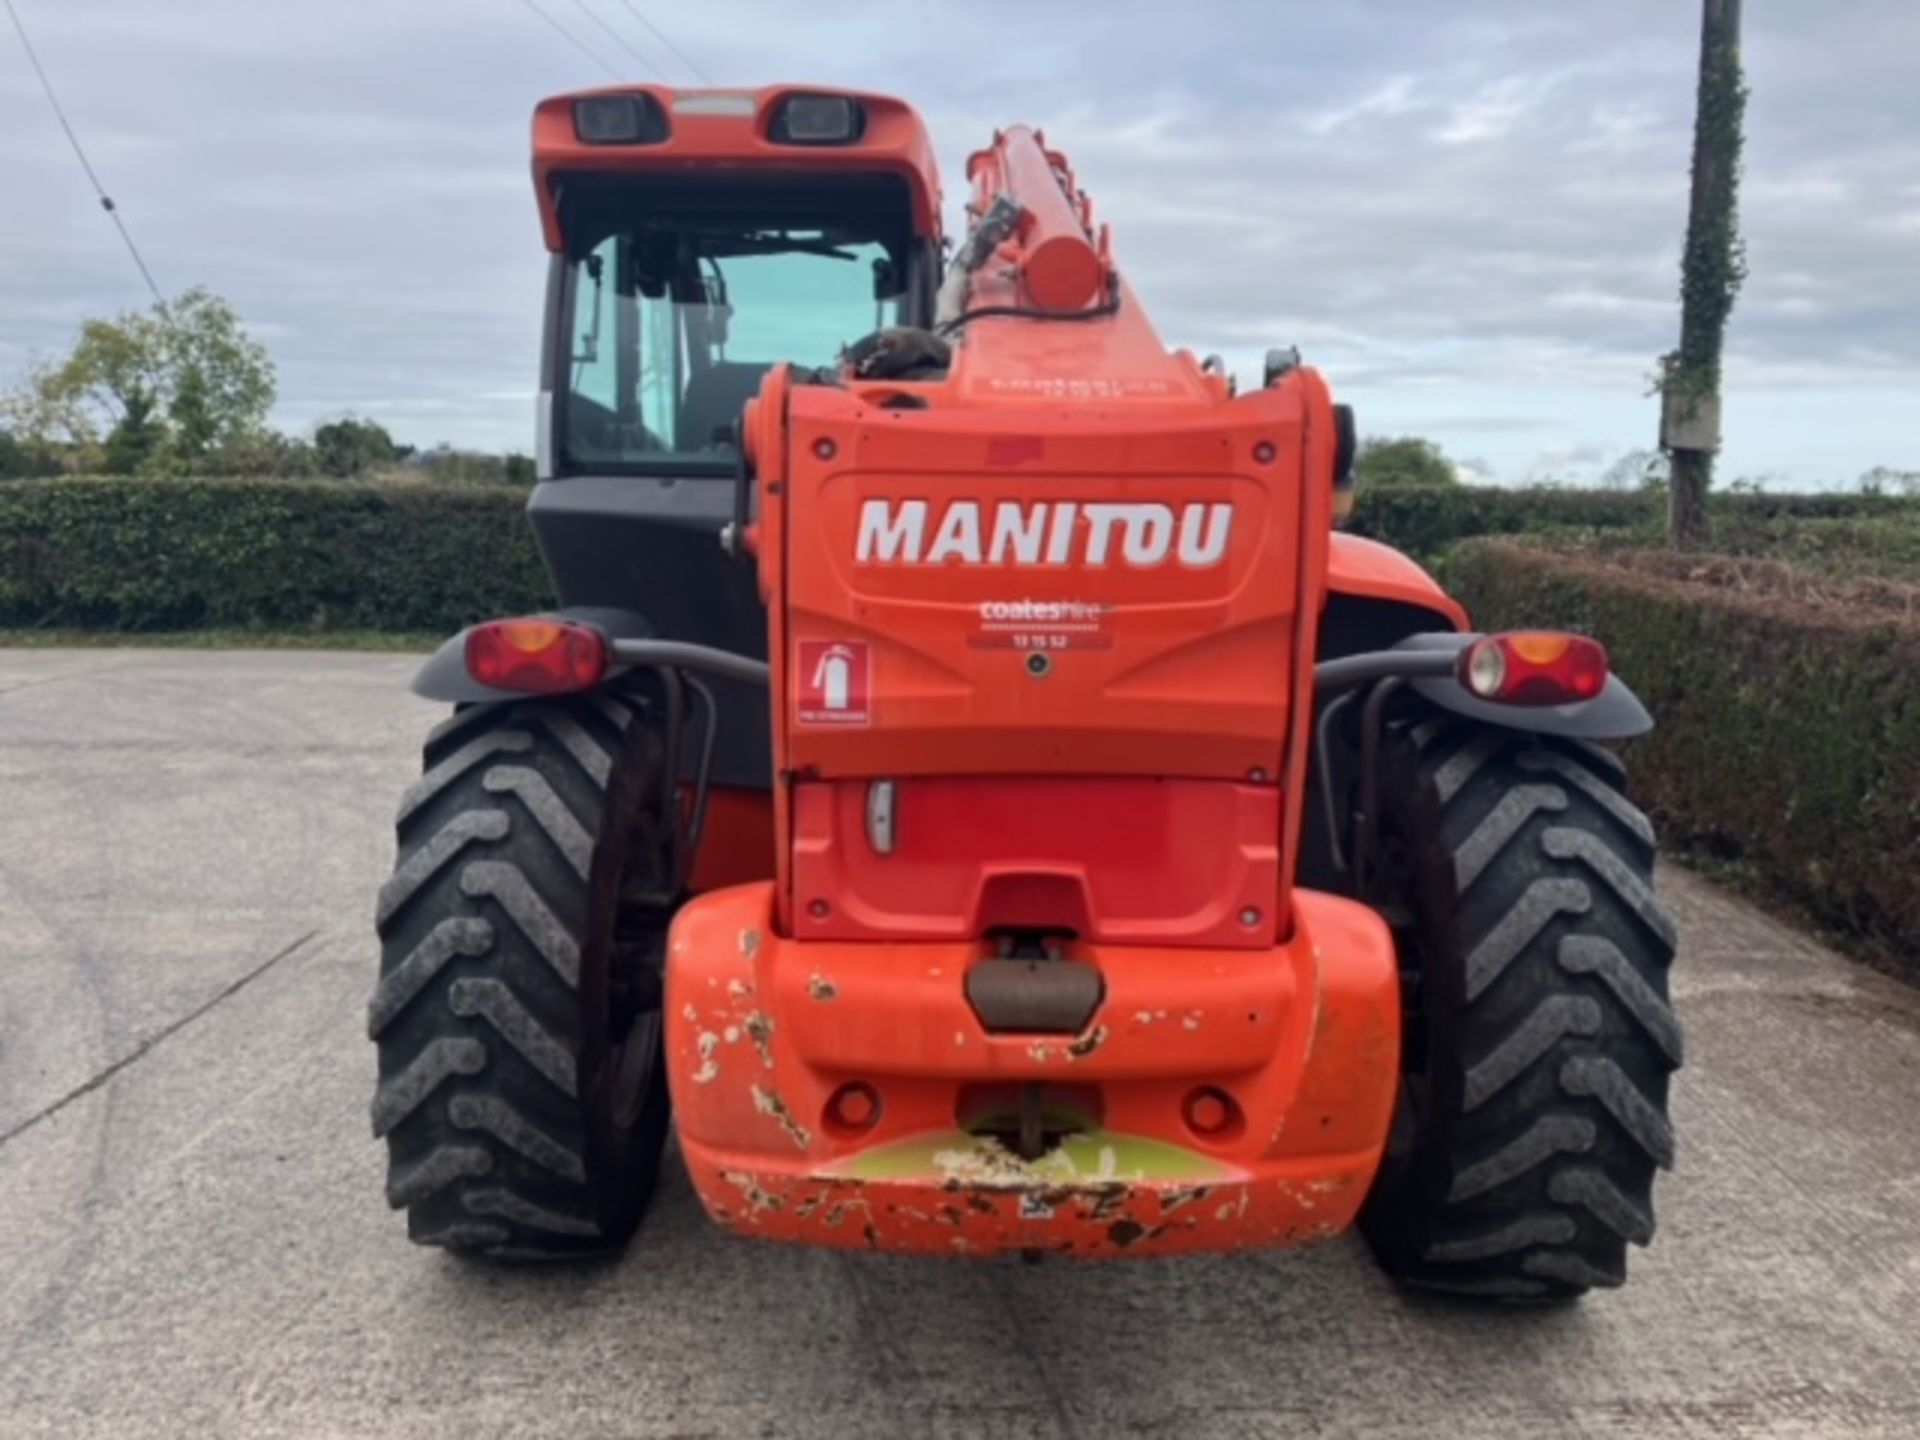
(1616, 713)
(444, 676)
(1367, 570)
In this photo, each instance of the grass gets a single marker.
(50, 639)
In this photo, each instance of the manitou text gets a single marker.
(1043, 533)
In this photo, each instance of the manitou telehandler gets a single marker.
(971, 788)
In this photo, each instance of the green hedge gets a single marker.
(1788, 732)
(1424, 522)
(320, 555)
(185, 554)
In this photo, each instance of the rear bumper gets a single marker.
(762, 1033)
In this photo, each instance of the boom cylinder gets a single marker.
(1057, 264)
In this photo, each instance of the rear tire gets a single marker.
(1539, 1036)
(522, 1090)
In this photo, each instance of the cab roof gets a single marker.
(683, 132)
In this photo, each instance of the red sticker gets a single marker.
(835, 679)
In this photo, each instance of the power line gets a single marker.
(661, 36)
(581, 6)
(106, 200)
(564, 33)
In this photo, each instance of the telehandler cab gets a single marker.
(971, 787)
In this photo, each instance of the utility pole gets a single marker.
(1711, 270)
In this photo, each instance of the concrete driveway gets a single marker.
(192, 1239)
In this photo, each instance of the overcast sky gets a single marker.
(1468, 213)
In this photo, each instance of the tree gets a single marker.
(347, 447)
(221, 379)
(1885, 480)
(167, 387)
(136, 439)
(1637, 470)
(16, 462)
(1402, 463)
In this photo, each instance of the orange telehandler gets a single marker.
(971, 788)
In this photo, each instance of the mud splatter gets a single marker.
(821, 988)
(749, 943)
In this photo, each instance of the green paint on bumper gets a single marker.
(1098, 1157)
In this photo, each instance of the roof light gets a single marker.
(620, 120)
(1534, 667)
(818, 120)
(536, 657)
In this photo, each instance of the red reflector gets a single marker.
(1534, 667)
(536, 657)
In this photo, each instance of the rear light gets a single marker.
(817, 120)
(536, 657)
(620, 120)
(1534, 667)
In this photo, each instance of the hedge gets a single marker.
(1425, 522)
(1788, 716)
(327, 555)
(185, 554)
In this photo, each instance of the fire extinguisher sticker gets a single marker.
(834, 681)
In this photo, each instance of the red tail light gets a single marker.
(536, 657)
(1534, 667)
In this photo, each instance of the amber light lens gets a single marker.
(536, 657)
(1534, 667)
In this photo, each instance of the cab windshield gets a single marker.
(671, 323)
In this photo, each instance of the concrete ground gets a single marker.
(192, 1239)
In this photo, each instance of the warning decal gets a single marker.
(834, 680)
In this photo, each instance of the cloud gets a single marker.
(1458, 211)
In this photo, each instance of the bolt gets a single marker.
(855, 1106)
(1209, 1111)
(825, 449)
(1250, 916)
(1264, 452)
(1038, 665)
(1257, 775)
(818, 909)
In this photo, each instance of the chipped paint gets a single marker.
(1172, 1200)
(692, 1015)
(1040, 1053)
(959, 1037)
(1191, 1020)
(758, 1200)
(738, 988)
(760, 1031)
(1087, 1044)
(731, 1034)
(749, 942)
(770, 1104)
(706, 1042)
(821, 988)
